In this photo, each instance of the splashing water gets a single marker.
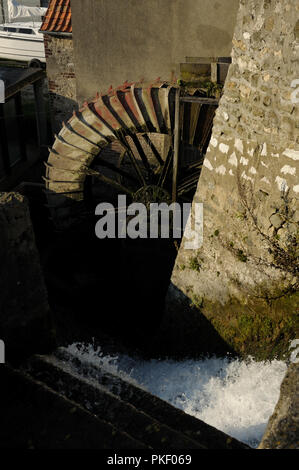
(235, 396)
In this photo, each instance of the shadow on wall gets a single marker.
(62, 109)
(116, 287)
(185, 332)
(110, 285)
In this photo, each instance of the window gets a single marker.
(9, 29)
(25, 31)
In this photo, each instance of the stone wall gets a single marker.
(25, 320)
(61, 78)
(283, 427)
(242, 284)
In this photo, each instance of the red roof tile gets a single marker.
(58, 18)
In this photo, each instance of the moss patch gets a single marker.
(241, 256)
(194, 264)
(259, 328)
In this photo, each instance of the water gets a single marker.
(237, 397)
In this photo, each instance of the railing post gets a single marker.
(176, 145)
(4, 151)
(20, 121)
(40, 114)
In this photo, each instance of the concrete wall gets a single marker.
(121, 40)
(242, 284)
(61, 78)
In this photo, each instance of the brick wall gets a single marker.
(61, 78)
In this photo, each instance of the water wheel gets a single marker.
(124, 140)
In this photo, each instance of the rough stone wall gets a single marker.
(242, 284)
(61, 78)
(25, 321)
(283, 427)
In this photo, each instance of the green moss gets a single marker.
(194, 264)
(241, 256)
(216, 233)
(206, 86)
(240, 215)
(255, 327)
(197, 301)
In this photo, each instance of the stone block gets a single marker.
(25, 319)
(283, 427)
(36, 417)
(276, 220)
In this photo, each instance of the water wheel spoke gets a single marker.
(165, 168)
(134, 162)
(153, 148)
(109, 181)
(142, 154)
(188, 183)
(111, 166)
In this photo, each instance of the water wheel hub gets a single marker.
(151, 194)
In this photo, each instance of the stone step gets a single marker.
(33, 416)
(99, 401)
(203, 434)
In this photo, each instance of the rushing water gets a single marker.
(237, 397)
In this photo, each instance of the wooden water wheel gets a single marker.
(132, 139)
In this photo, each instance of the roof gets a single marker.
(58, 18)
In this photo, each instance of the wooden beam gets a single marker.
(20, 125)
(40, 111)
(214, 72)
(3, 143)
(176, 145)
(199, 100)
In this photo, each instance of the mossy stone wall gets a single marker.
(242, 284)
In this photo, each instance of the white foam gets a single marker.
(237, 397)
